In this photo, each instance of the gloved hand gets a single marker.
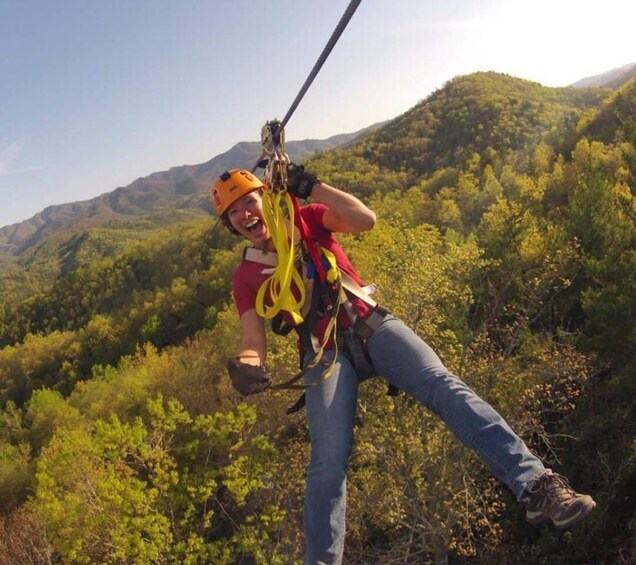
(248, 379)
(300, 182)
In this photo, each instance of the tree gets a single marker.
(164, 486)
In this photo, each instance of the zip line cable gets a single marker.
(342, 24)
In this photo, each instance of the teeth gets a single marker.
(251, 223)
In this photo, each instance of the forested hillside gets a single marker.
(157, 199)
(506, 238)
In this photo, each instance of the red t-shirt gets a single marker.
(248, 276)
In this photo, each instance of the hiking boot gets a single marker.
(550, 496)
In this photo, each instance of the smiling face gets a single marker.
(246, 217)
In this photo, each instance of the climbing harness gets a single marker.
(336, 295)
(286, 291)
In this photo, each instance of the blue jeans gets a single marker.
(406, 361)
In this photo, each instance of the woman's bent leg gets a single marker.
(410, 364)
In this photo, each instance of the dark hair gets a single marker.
(226, 222)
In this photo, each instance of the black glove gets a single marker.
(247, 379)
(299, 182)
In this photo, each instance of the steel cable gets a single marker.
(342, 24)
(337, 32)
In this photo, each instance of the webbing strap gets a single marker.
(319, 350)
(310, 244)
(270, 258)
(363, 328)
(354, 288)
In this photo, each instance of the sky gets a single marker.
(96, 93)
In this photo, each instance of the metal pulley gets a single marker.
(273, 142)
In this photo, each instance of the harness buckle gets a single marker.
(364, 328)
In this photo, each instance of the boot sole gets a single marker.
(585, 510)
(536, 518)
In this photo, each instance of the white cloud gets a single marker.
(9, 155)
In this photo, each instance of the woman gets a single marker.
(387, 347)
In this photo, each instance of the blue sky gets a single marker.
(96, 93)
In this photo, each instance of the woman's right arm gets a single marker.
(253, 348)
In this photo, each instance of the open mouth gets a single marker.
(253, 226)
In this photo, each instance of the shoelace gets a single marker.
(558, 486)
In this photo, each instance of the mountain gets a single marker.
(443, 121)
(183, 189)
(494, 116)
(610, 79)
(614, 119)
(481, 113)
(505, 237)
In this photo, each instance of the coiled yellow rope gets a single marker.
(284, 289)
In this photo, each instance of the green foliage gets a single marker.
(164, 487)
(613, 121)
(423, 279)
(14, 474)
(48, 412)
(505, 239)
(472, 114)
(349, 170)
(602, 216)
(130, 282)
(110, 308)
(40, 361)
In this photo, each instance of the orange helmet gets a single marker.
(230, 186)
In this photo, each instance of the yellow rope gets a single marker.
(278, 288)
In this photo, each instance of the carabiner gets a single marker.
(273, 141)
